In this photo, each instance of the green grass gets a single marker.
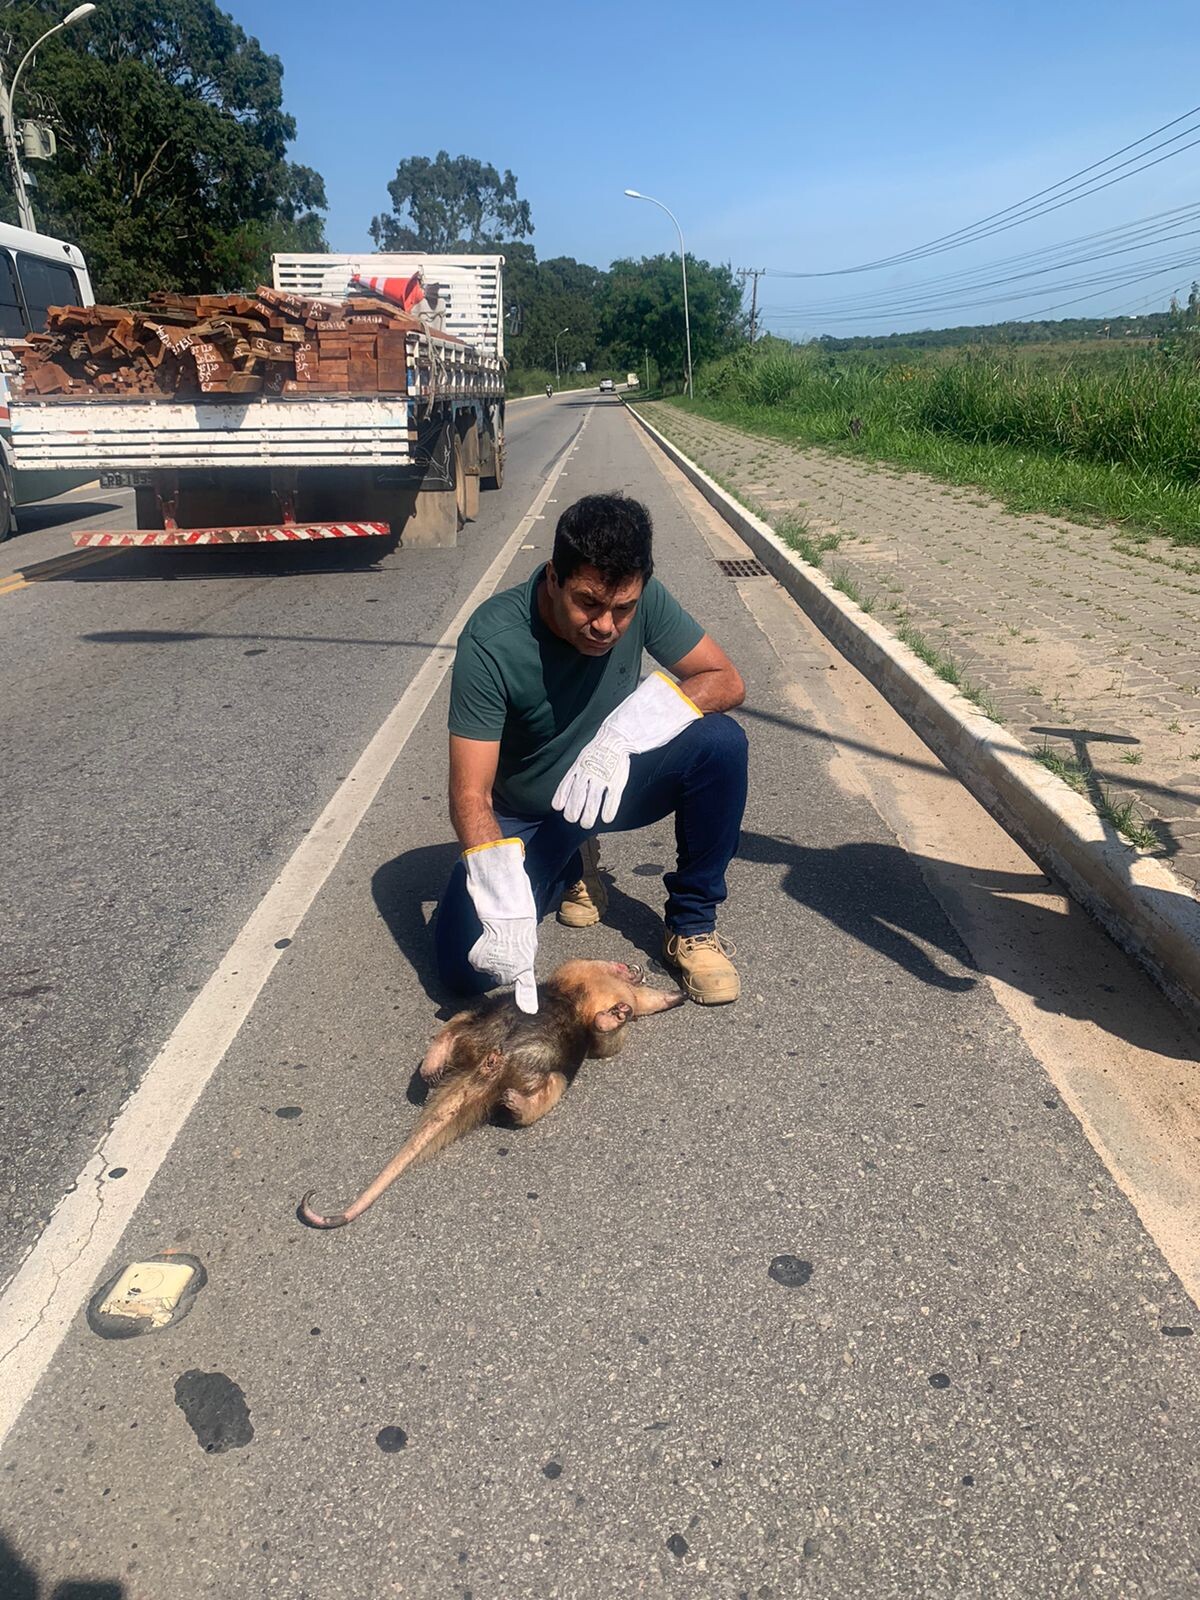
(946, 668)
(845, 584)
(1123, 817)
(793, 530)
(1117, 444)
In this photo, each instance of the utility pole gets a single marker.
(755, 273)
(8, 95)
(15, 166)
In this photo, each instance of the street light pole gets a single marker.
(557, 337)
(8, 98)
(635, 194)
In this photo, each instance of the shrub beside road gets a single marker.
(1090, 440)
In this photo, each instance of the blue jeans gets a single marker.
(700, 777)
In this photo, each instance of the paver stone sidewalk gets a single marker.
(1081, 640)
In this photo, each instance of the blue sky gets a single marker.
(807, 138)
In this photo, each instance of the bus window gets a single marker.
(46, 284)
(12, 317)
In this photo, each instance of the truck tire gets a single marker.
(470, 479)
(458, 458)
(492, 449)
(8, 514)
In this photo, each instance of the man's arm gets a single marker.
(472, 772)
(709, 679)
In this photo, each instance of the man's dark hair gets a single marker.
(608, 531)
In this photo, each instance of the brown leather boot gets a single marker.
(704, 968)
(586, 901)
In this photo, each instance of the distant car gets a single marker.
(607, 386)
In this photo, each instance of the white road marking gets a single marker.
(42, 1298)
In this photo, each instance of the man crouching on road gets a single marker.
(552, 739)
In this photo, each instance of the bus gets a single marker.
(36, 272)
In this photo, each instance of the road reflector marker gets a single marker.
(146, 1296)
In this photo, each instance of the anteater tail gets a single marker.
(452, 1110)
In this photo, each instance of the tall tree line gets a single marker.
(172, 172)
(172, 167)
(602, 318)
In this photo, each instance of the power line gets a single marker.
(1096, 283)
(974, 231)
(1034, 316)
(1129, 238)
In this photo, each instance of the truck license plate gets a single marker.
(125, 480)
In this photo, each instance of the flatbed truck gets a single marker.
(225, 470)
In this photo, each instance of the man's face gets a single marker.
(589, 612)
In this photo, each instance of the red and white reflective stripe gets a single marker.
(262, 535)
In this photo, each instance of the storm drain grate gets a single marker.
(743, 569)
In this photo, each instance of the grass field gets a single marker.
(1096, 436)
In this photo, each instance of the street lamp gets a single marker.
(635, 194)
(7, 101)
(557, 337)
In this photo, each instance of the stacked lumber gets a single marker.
(186, 346)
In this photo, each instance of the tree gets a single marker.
(643, 310)
(172, 167)
(545, 297)
(451, 204)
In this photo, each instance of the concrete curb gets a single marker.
(1140, 902)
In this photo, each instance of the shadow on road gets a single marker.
(399, 887)
(288, 559)
(53, 513)
(20, 1582)
(172, 636)
(872, 892)
(875, 893)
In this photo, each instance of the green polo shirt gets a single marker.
(517, 682)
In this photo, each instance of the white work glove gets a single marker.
(503, 899)
(653, 714)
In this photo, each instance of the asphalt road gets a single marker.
(172, 723)
(825, 1292)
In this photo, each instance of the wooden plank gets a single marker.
(307, 358)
